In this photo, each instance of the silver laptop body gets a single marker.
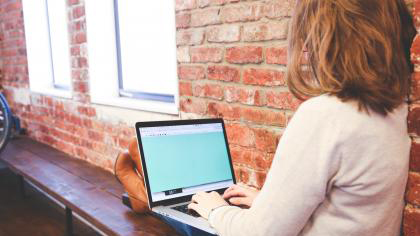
(181, 158)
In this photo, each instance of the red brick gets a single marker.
(224, 34)
(241, 13)
(206, 54)
(73, 2)
(205, 17)
(95, 136)
(248, 96)
(282, 100)
(190, 37)
(185, 4)
(415, 87)
(100, 147)
(206, 3)
(244, 55)
(123, 142)
(78, 12)
(415, 157)
(81, 62)
(265, 31)
(79, 38)
(214, 91)
(86, 143)
(266, 140)
(276, 9)
(276, 55)
(415, 11)
(185, 88)
(241, 174)
(64, 147)
(80, 152)
(193, 106)
(250, 157)
(13, 6)
(415, 50)
(81, 87)
(262, 160)
(241, 155)
(81, 97)
(86, 110)
(90, 112)
(223, 73)
(240, 134)
(79, 25)
(183, 20)
(225, 111)
(48, 139)
(265, 77)
(70, 128)
(262, 116)
(98, 125)
(413, 189)
(260, 177)
(414, 120)
(75, 50)
(127, 131)
(183, 54)
(191, 72)
(411, 226)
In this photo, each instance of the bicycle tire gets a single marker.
(6, 122)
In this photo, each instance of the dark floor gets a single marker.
(34, 215)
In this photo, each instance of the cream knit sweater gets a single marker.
(337, 171)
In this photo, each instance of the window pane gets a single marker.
(37, 44)
(148, 48)
(59, 39)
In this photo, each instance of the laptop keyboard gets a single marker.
(184, 209)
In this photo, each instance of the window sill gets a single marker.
(53, 92)
(136, 104)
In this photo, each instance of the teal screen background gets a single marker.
(185, 160)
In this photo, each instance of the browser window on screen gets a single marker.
(184, 159)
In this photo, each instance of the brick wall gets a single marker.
(231, 56)
(412, 210)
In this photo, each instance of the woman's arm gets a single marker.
(306, 159)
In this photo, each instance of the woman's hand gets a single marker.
(240, 196)
(203, 203)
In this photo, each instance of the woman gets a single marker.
(341, 165)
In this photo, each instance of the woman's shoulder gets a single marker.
(325, 103)
(327, 108)
(330, 110)
(335, 107)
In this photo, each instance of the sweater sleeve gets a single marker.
(306, 159)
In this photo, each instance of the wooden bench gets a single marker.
(89, 191)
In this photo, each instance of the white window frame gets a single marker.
(103, 62)
(39, 50)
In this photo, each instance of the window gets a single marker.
(132, 54)
(47, 43)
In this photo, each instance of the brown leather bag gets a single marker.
(129, 172)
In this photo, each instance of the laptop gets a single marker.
(181, 158)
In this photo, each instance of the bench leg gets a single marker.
(22, 186)
(69, 221)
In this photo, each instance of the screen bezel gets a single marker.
(148, 124)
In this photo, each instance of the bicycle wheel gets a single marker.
(5, 122)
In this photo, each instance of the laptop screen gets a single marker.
(184, 159)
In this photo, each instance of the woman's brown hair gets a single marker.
(355, 49)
